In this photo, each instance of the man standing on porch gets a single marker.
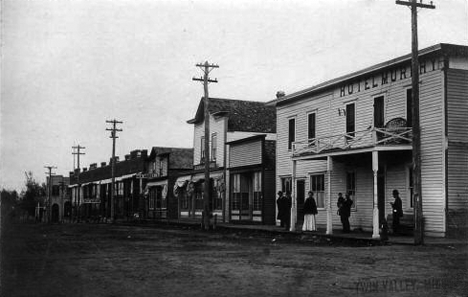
(397, 211)
(344, 210)
(280, 202)
(310, 210)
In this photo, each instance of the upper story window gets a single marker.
(214, 146)
(202, 149)
(292, 132)
(350, 120)
(311, 122)
(55, 190)
(379, 111)
(160, 167)
(409, 107)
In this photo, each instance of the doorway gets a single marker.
(55, 213)
(300, 201)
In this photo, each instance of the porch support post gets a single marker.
(329, 198)
(292, 226)
(375, 217)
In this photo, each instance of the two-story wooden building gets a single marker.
(164, 166)
(353, 135)
(230, 120)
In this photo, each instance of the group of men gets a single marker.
(344, 204)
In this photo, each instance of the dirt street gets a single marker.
(111, 260)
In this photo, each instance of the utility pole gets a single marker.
(113, 135)
(418, 205)
(78, 152)
(49, 186)
(206, 68)
(62, 207)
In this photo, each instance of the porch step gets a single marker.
(406, 224)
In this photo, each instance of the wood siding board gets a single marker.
(245, 154)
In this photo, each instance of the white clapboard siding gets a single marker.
(329, 122)
(245, 154)
(216, 126)
(433, 150)
(457, 130)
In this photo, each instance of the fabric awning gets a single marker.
(119, 178)
(181, 180)
(199, 176)
(156, 183)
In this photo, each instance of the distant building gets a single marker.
(164, 165)
(91, 188)
(59, 204)
(353, 135)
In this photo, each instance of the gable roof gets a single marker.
(179, 158)
(245, 116)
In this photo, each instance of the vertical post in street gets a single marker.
(113, 135)
(78, 152)
(49, 190)
(206, 68)
(62, 207)
(418, 205)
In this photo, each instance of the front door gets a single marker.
(300, 201)
(55, 213)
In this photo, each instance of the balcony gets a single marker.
(395, 133)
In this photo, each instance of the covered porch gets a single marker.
(367, 165)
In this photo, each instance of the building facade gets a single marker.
(164, 165)
(229, 120)
(58, 198)
(353, 135)
(91, 189)
(251, 172)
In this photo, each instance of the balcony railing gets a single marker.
(370, 137)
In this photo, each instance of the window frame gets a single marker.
(352, 188)
(202, 149)
(350, 134)
(409, 107)
(373, 111)
(314, 113)
(291, 136)
(409, 187)
(214, 146)
(318, 193)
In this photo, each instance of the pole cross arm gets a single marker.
(422, 5)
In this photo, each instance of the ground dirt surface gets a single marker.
(118, 260)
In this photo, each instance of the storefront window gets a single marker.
(257, 188)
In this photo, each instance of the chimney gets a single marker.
(144, 153)
(280, 94)
(127, 157)
(116, 160)
(85, 169)
(103, 164)
(92, 166)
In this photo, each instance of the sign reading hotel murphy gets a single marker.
(387, 76)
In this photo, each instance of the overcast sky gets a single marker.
(70, 65)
